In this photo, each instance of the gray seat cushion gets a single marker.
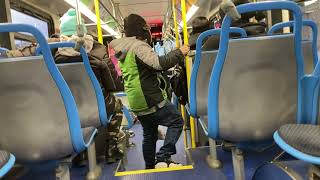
(305, 138)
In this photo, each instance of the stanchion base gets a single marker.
(214, 163)
(94, 174)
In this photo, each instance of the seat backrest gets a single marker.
(205, 68)
(201, 71)
(33, 115)
(255, 84)
(258, 88)
(310, 46)
(80, 85)
(202, 82)
(40, 119)
(85, 88)
(309, 113)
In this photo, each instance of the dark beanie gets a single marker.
(135, 25)
(200, 24)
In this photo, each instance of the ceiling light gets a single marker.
(307, 3)
(190, 13)
(89, 14)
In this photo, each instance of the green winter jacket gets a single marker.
(141, 68)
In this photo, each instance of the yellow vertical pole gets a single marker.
(97, 10)
(188, 67)
(178, 46)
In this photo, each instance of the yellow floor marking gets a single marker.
(145, 171)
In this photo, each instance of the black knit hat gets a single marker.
(200, 24)
(135, 25)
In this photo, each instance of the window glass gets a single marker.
(19, 17)
(21, 43)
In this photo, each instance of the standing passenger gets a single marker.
(140, 67)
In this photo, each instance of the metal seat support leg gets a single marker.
(94, 169)
(63, 169)
(238, 164)
(212, 158)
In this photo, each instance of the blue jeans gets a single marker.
(167, 116)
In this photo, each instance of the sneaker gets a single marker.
(165, 164)
(161, 165)
(174, 164)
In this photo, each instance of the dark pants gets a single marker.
(167, 116)
(112, 138)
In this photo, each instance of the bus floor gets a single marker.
(200, 171)
(134, 154)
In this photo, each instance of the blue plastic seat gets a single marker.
(301, 141)
(84, 87)
(255, 86)
(309, 91)
(307, 44)
(203, 65)
(40, 119)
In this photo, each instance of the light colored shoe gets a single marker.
(169, 163)
(161, 165)
(173, 164)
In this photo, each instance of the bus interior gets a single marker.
(245, 116)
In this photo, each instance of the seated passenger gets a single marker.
(199, 25)
(140, 67)
(252, 28)
(105, 72)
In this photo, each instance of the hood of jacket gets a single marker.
(88, 45)
(124, 45)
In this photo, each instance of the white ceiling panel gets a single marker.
(152, 10)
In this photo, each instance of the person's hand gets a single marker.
(185, 49)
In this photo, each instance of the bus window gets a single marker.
(26, 14)
(19, 17)
(21, 43)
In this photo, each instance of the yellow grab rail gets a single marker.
(178, 46)
(188, 67)
(97, 10)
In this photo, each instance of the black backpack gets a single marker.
(179, 84)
